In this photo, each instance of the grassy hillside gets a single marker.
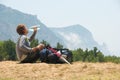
(10, 70)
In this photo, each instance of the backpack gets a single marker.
(52, 55)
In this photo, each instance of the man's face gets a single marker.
(26, 31)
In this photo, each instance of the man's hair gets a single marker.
(20, 29)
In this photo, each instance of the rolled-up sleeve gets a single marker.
(24, 45)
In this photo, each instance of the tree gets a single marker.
(44, 42)
(95, 51)
(59, 46)
(85, 55)
(114, 59)
(78, 54)
(2, 51)
(9, 49)
(100, 56)
(88, 55)
(34, 43)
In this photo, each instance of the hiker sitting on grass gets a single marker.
(25, 53)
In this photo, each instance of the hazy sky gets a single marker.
(101, 17)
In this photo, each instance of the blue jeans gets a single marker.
(48, 56)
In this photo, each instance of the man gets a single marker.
(25, 53)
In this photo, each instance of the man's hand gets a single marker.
(35, 49)
(40, 46)
(35, 28)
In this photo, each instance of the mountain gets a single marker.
(77, 36)
(72, 37)
(10, 18)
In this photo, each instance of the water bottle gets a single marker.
(35, 26)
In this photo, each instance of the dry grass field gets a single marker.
(10, 70)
